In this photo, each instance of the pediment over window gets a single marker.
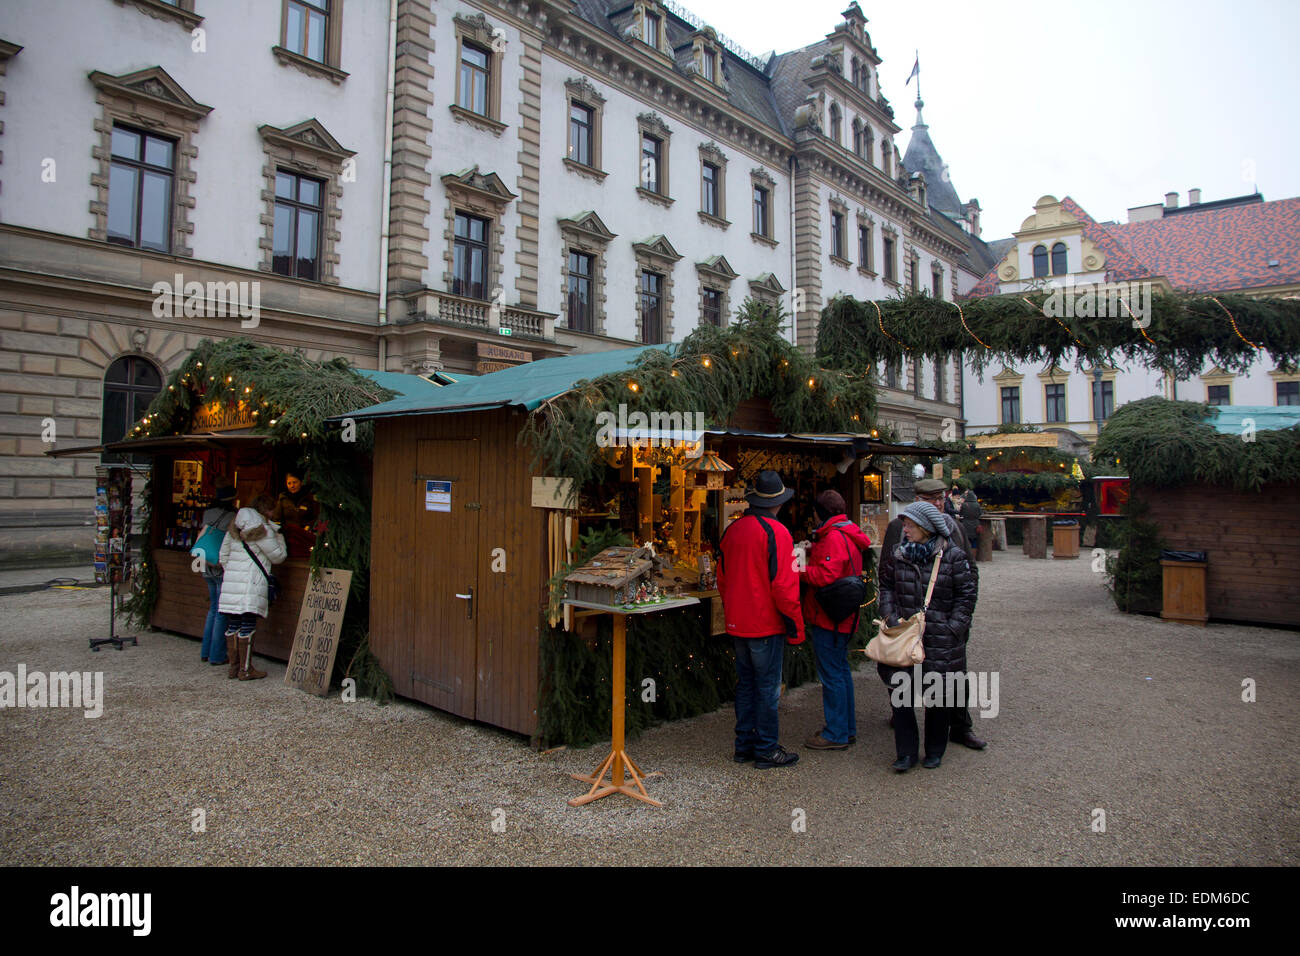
(154, 85)
(309, 135)
(766, 285)
(580, 88)
(654, 123)
(713, 153)
(588, 225)
(472, 185)
(657, 247)
(717, 267)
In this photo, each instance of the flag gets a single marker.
(916, 70)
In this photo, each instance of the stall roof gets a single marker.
(528, 385)
(1230, 418)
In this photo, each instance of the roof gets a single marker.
(410, 386)
(526, 385)
(1121, 264)
(922, 157)
(1220, 248)
(1231, 418)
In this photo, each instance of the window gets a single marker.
(306, 28)
(837, 235)
(868, 143)
(864, 247)
(936, 284)
(1058, 259)
(762, 221)
(1103, 400)
(886, 156)
(130, 385)
(1218, 395)
(857, 137)
(296, 240)
(1011, 405)
(711, 308)
(891, 268)
(835, 124)
(650, 168)
(1288, 393)
(1040, 262)
(472, 91)
(140, 190)
(709, 191)
(470, 261)
(650, 31)
(652, 308)
(893, 370)
(580, 292)
(938, 381)
(710, 70)
(1055, 402)
(581, 128)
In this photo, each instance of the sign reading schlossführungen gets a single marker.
(316, 639)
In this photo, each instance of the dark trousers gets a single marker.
(939, 721)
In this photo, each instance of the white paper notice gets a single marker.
(437, 496)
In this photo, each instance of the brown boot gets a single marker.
(232, 653)
(246, 669)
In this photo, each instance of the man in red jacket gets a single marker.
(760, 600)
(836, 553)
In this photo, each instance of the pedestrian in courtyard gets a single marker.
(930, 490)
(926, 554)
(760, 601)
(252, 545)
(218, 516)
(971, 512)
(837, 547)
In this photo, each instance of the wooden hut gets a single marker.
(464, 524)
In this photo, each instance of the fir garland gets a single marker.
(1185, 332)
(292, 398)
(1163, 443)
(711, 371)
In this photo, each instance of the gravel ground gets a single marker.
(1141, 719)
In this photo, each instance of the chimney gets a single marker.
(1193, 197)
(1171, 200)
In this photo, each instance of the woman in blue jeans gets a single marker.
(218, 516)
(836, 553)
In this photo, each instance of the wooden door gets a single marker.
(445, 574)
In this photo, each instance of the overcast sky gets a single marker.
(1113, 102)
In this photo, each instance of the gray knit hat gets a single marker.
(927, 516)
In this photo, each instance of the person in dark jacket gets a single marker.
(218, 515)
(970, 523)
(836, 553)
(930, 490)
(760, 601)
(295, 511)
(904, 578)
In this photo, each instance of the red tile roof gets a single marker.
(1210, 250)
(1217, 250)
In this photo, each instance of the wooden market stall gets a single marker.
(468, 530)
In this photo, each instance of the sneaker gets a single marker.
(818, 742)
(777, 758)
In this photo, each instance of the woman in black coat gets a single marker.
(904, 578)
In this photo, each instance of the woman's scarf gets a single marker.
(920, 552)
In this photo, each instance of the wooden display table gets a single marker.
(618, 759)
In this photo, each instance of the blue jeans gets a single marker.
(838, 705)
(758, 690)
(214, 629)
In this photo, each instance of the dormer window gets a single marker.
(709, 60)
(650, 29)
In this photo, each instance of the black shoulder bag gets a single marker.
(272, 583)
(841, 598)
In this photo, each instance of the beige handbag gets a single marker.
(900, 646)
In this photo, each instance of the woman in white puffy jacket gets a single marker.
(251, 540)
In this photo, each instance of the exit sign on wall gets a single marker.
(504, 331)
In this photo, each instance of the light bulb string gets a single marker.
(1234, 324)
(968, 329)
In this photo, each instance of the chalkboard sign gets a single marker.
(316, 639)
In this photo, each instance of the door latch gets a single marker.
(469, 608)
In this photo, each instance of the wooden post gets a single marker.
(1035, 545)
(619, 680)
(986, 541)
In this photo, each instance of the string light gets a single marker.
(1234, 324)
(707, 362)
(633, 387)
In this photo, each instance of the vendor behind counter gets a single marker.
(296, 511)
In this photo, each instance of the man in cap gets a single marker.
(931, 491)
(760, 601)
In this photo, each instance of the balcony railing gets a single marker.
(483, 315)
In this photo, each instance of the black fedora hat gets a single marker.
(768, 491)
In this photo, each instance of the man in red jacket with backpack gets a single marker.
(760, 600)
(836, 553)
